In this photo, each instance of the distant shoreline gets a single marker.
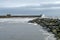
(20, 16)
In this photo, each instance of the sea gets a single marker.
(20, 29)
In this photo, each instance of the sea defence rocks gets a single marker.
(50, 24)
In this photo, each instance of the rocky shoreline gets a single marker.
(50, 24)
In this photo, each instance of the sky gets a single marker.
(20, 3)
(46, 6)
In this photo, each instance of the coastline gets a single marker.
(48, 36)
(21, 20)
(51, 25)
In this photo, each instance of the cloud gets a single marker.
(55, 2)
(21, 3)
(46, 8)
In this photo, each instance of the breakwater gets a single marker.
(19, 16)
(50, 24)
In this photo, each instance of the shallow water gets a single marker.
(23, 31)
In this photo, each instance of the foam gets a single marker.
(15, 20)
(50, 36)
(25, 20)
(30, 23)
(35, 24)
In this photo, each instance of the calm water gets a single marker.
(22, 31)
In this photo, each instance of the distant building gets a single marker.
(8, 15)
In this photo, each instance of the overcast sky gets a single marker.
(19, 3)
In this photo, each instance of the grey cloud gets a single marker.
(12, 3)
